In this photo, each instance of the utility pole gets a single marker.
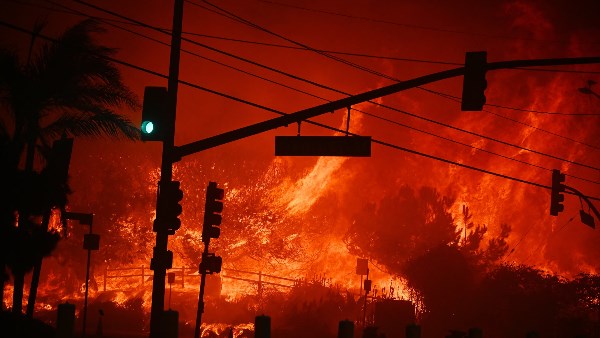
(160, 260)
(210, 263)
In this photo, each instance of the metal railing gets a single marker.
(144, 273)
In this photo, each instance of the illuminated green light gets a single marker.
(147, 127)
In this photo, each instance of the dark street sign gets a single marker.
(355, 146)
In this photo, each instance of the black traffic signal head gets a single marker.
(210, 264)
(212, 212)
(55, 174)
(556, 196)
(60, 158)
(155, 114)
(474, 83)
(169, 207)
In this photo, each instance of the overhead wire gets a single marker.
(130, 65)
(239, 19)
(436, 29)
(552, 234)
(538, 247)
(251, 24)
(382, 57)
(330, 88)
(76, 12)
(457, 99)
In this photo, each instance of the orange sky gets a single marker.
(438, 31)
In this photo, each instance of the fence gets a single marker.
(181, 276)
(144, 273)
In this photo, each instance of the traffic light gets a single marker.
(556, 197)
(59, 159)
(474, 83)
(212, 212)
(155, 121)
(210, 264)
(170, 195)
(55, 174)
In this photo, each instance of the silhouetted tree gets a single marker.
(70, 87)
(401, 226)
(445, 277)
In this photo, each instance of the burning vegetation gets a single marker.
(449, 247)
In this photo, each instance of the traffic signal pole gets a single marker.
(200, 310)
(166, 174)
(282, 121)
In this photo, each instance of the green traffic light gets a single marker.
(147, 127)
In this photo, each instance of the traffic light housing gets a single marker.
(169, 207)
(56, 173)
(212, 212)
(474, 83)
(155, 114)
(210, 264)
(557, 197)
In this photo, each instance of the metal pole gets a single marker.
(87, 280)
(166, 172)
(85, 301)
(365, 307)
(201, 296)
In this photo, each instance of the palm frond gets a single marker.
(100, 123)
(75, 65)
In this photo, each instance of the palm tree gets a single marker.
(68, 88)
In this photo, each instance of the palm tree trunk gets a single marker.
(19, 278)
(37, 268)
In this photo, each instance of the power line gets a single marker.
(332, 89)
(139, 68)
(457, 99)
(549, 237)
(556, 70)
(326, 87)
(407, 25)
(234, 17)
(382, 57)
(67, 10)
(239, 19)
(541, 112)
(73, 11)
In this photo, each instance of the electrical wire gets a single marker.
(382, 57)
(542, 112)
(457, 99)
(408, 25)
(163, 30)
(241, 20)
(232, 16)
(76, 12)
(148, 71)
(549, 237)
